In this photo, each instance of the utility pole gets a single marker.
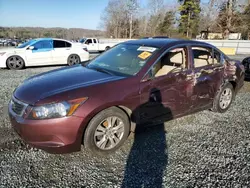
(188, 24)
(131, 25)
(229, 18)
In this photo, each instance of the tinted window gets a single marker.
(59, 44)
(42, 45)
(173, 60)
(94, 40)
(88, 41)
(202, 56)
(67, 44)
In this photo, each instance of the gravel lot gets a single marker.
(201, 150)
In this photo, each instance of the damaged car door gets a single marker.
(208, 73)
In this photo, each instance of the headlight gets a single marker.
(2, 53)
(56, 110)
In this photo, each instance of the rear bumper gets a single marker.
(84, 57)
(61, 135)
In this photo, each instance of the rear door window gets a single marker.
(202, 56)
(59, 44)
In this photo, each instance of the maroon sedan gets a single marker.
(139, 82)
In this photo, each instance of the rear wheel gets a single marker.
(224, 98)
(15, 62)
(73, 59)
(107, 48)
(107, 131)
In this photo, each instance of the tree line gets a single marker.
(39, 32)
(185, 18)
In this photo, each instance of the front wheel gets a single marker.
(224, 98)
(107, 131)
(107, 48)
(15, 62)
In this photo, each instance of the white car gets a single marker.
(43, 51)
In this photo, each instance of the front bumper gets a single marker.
(3, 59)
(61, 135)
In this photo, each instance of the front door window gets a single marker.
(172, 61)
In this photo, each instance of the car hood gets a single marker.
(61, 80)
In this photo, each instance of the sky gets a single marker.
(54, 13)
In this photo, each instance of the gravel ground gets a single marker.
(201, 150)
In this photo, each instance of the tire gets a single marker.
(15, 62)
(92, 139)
(107, 48)
(222, 96)
(73, 59)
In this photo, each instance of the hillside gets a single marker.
(35, 32)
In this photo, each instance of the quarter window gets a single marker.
(67, 44)
(94, 40)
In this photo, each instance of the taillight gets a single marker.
(85, 49)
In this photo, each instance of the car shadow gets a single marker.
(148, 157)
(55, 66)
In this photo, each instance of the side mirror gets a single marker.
(31, 47)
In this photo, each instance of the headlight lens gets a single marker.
(56, 110)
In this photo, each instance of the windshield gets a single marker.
(82, 40)
(125, 59)
(26, 44)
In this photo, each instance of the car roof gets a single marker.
(160, 43)
(50, 39)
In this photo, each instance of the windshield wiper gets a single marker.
(101, 70)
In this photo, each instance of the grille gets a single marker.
(17, 107)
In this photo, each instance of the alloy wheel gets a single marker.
(226, 98)
(73, 60)
(109, 133)
(15, 62)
